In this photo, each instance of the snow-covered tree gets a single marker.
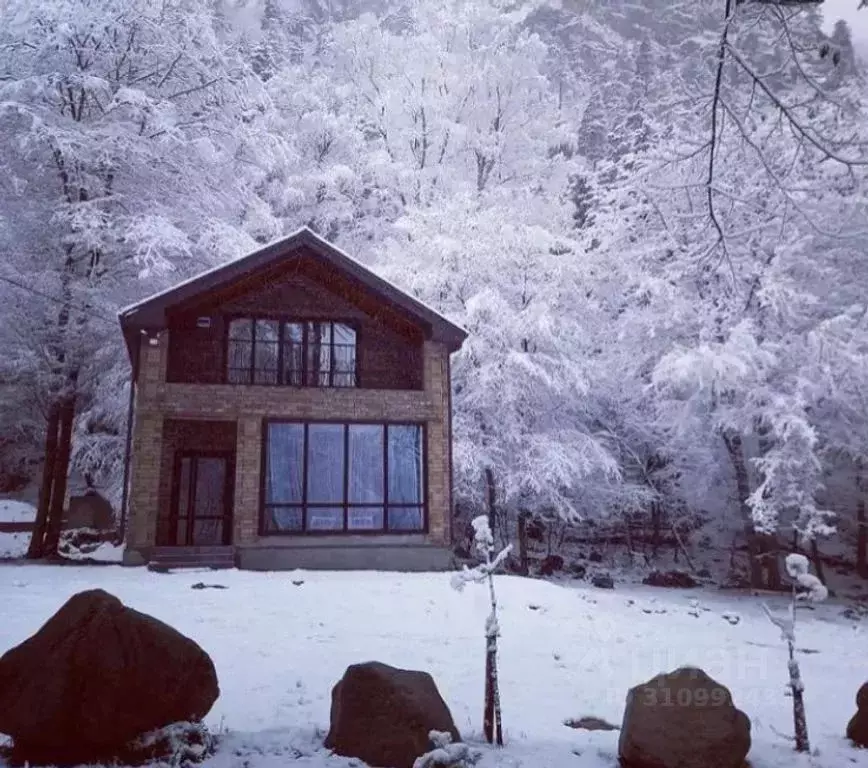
(117, 121)
(806, 586)
(484, 572)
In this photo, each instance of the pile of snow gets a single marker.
(280, 641)
(106, 552)
(12, 511)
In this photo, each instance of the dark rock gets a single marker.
(551, 564)
(536, 530)
(683, 719)
(383, 715)
(90, 510)
(461, 552)
(97, 676)
(603, 581)
(704, 573)
(857, 728)
(590, 723)
(595, 557)
(676, 579)
(203, 585)
(578, 570)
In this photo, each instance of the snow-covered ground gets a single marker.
(565, 652)
(13, 545)
(12, 511)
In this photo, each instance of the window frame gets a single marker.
(345, 504)
(283, 321)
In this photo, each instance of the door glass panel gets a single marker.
(209, 500)
(181, 532)
(207, 532)
(184, 488)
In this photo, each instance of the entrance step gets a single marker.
(170, 558)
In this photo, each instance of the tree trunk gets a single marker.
(861, 540)
(488, 716)
(491, 497)
(656, 522)
(800, 720)
(523, 562)
(817, 560)
(37, 538)
(769, 561)
(61, 475)
(742, 482)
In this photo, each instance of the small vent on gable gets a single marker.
(203, 322)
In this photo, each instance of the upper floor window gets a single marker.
(295, 353)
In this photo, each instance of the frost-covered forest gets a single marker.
(651, 218)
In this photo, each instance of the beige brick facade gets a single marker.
(247, 407)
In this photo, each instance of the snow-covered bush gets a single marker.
(484, 541)
(445, 754)
(806, 586)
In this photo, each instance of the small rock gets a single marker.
(603, 581)
(857, 728)
(732, 618)
(536, 530)
(578, 570)
(595, 557)
(202, 585)
(590, 723)
(551, 564)
(674, 579)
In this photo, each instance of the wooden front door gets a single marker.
(202, 499)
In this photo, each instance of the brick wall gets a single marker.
(247, 406)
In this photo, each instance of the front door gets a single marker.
(202, 504)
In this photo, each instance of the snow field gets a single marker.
(565, 652)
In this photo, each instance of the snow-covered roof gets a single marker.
(150, 313)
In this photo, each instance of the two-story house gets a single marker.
(290, 409)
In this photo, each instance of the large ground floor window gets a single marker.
(328, 478)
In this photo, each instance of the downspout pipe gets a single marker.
(134, 374)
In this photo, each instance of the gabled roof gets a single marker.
(150, 314)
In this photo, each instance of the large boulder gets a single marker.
(97, 676)
(383, 715)
(683, 719)
(857, 728)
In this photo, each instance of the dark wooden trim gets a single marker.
(345, 504)
(450, 519)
